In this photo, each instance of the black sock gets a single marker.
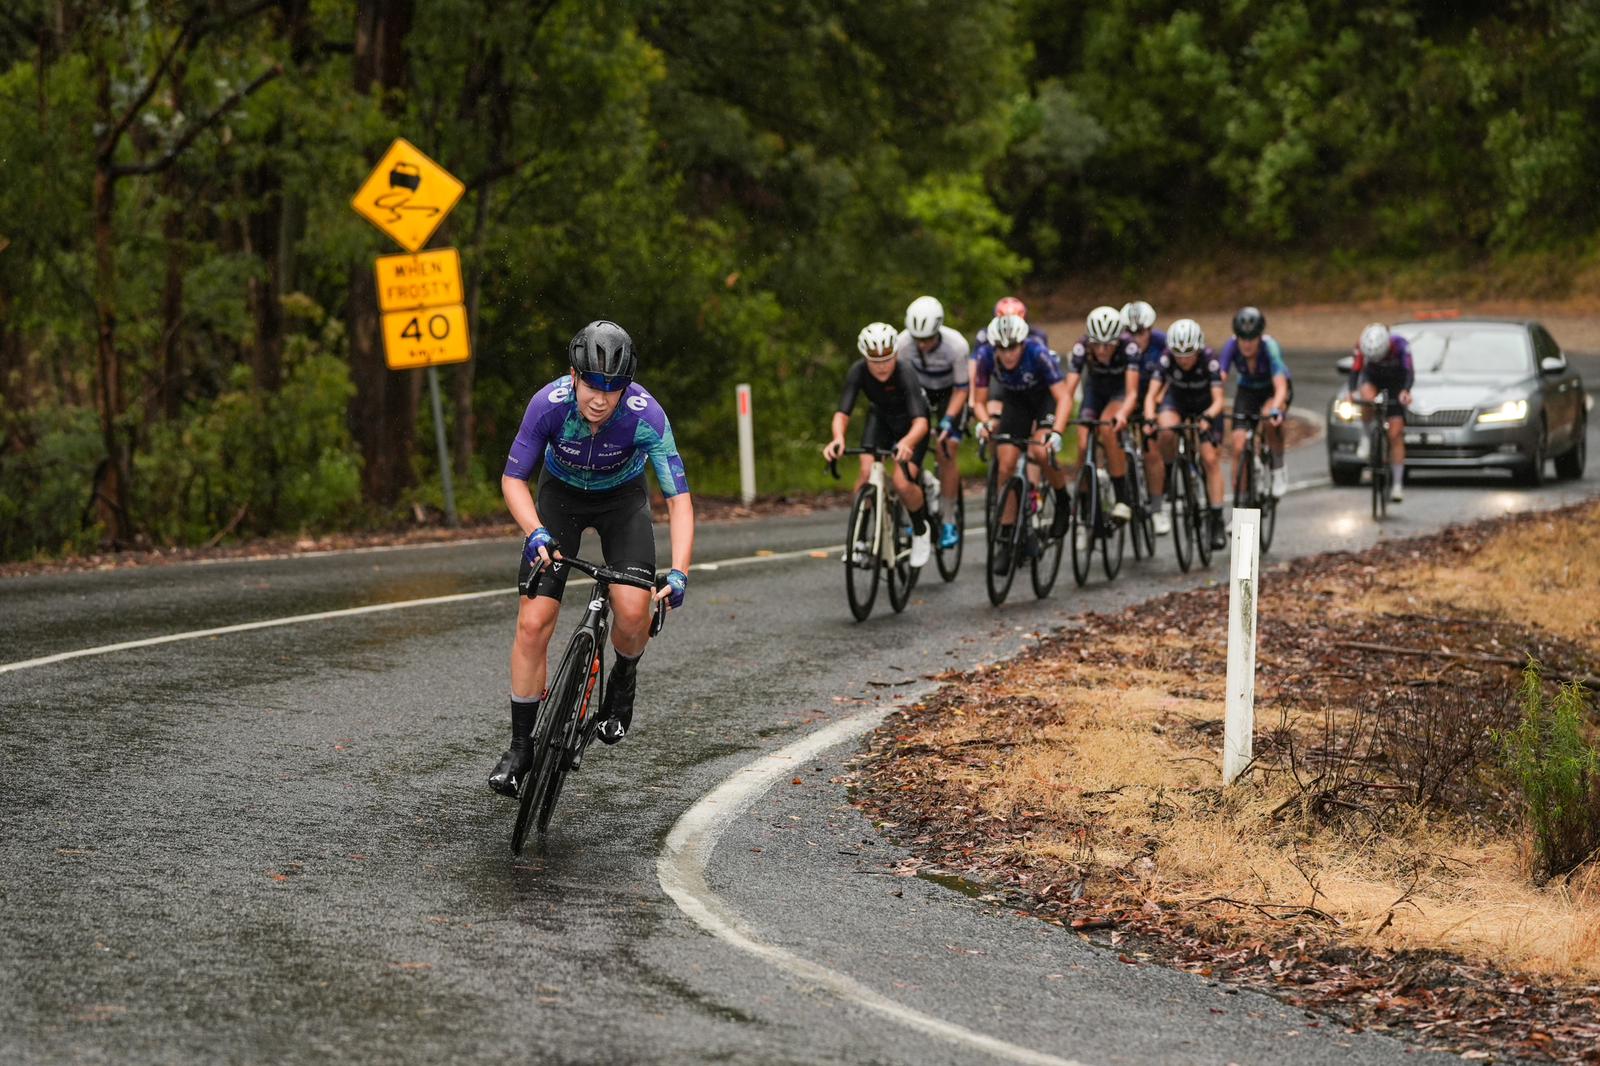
(1216, 516)
(919, 519)
(626, 662)
(523, 714)
(1062, 497)
(1119, 487)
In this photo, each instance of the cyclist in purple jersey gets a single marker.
(1106, 360)
(1383, 366)
(1188, 388)
(587, 437)
(1139, 319)
(1006, 305)
(1036, 402)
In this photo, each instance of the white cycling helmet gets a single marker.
(1185, 337)
(924, 317)
(1375, 341)
(1105, 324)
(1138, 315)
(1007, 331)
(876, 337)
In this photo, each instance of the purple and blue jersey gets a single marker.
(1395, 371)
(1256, 375)
(1036, 369)
(555, 434)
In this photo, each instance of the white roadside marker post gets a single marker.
(1243, 593)
(747, 446)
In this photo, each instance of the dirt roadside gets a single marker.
(1355, 875)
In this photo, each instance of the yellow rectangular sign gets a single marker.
(427, 279)
(426, 337)
(407, 195)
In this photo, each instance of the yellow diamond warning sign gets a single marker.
(407, 195)
(426, 337)
(428, 279)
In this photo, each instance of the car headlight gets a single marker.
(1510, 411)
(1345, 411)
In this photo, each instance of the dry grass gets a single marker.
(1121, 756)
(1544, 574)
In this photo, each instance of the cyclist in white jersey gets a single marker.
(939, 356)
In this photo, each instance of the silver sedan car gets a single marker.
(1489, 394)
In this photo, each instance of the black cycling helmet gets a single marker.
(602, 354)
(1249, 323)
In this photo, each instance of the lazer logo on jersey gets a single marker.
(638, 403)
(560, 395)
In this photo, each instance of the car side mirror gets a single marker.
(1552, 365)
(1344, 365)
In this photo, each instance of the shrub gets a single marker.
(1558, 773)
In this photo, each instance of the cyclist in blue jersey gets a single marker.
(1188, 388)
(1139, 319)
(1036, 402)
(1383, 366)
(1006, 305)
(1254, 358)
(587, 436)
(1106, 360)
(898, 422)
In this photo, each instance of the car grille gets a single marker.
(1438, 419)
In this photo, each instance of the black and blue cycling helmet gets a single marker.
(602, 354)
(1249, 323)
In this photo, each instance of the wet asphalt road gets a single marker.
(276, 845)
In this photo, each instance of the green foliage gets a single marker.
(48, 456)
(1557, 770)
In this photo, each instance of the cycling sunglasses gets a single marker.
(604, 383)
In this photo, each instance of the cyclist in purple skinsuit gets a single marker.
(587, 437)
(1383, 366)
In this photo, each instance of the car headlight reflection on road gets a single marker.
(1510, 411)
(1346, 411)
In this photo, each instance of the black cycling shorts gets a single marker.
(1389, 387)
(1169, 402)
(1025, 408)
(886, 433)
(1097, 397)
(621, 516)
(1251, 401)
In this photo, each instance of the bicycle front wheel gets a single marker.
(1380, 472)
(1085, 517)
(1012, 497)
(1199, 512)
(860, 554)
(1269, 520)
(902, 575)
(557, 716)
(1112, 546)
(1178, 500)
(1046, 561)
(949, 559)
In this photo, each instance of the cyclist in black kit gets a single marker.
(899, 422)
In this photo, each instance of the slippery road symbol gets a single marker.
(407, 195)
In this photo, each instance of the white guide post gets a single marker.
(747, 446)
(1243, 592)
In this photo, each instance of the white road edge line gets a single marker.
(681, 869)
(350, 612)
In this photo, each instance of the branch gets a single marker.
(198, 128)
(108, 144)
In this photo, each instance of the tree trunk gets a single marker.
(383, 413)
(264, 231)
(111, 487)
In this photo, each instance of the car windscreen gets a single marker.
(1466, 351)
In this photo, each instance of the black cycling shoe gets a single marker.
(617, 710)
(1219, 536)
(506, 778)
(1063, 515)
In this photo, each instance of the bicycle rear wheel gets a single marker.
(949, 559)
(991, 493)
(1178, 499)
(550, 731)
(1085, 517)
(1269, 520)
(860, 559)
(1011, 496)
(1199, 512)
(1112, 545)
(1046, 561)
(902, 575)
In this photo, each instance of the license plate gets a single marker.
(1416, 438)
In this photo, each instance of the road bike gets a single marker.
(1377, 431)
(1092, 500)
(1252, 478)
(1033, 507)
(1186, 497)
(1143, 523)
(567, 720)
(878, 538)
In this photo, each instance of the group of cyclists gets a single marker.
(1133, 377)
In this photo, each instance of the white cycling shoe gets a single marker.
(1396, 493)
(1363, 448)
(1280, 482)
(1121, 512)
(921, 549)
(1163, 523)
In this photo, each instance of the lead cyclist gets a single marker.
(587, 436)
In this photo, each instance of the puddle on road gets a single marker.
(955, 882)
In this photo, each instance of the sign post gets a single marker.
(747, 446)
(1238, 734)
(420, 295)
